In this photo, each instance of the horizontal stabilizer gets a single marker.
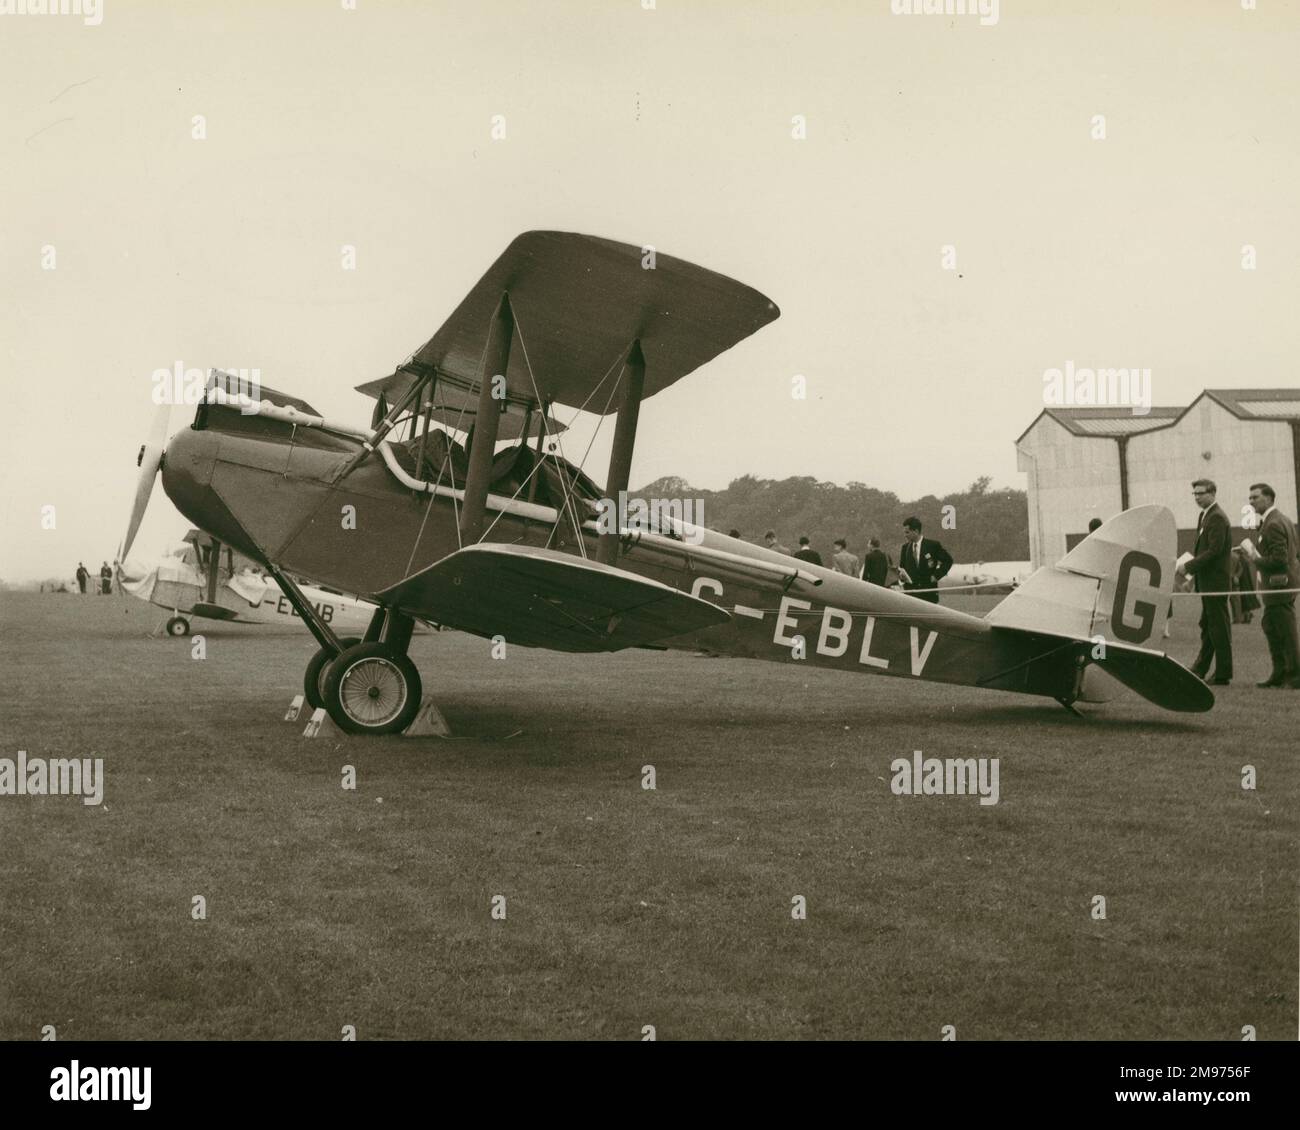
(1157, 678)
(539, 598)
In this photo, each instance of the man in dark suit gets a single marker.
(805, 552)
(1211, 569)
(922, 561)
(875, 565)
(1279, 569)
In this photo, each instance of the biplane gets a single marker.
(458, 506)
(198, 580)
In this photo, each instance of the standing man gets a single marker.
(1211, 569)
(805, 552)
(105, 580)
(923, 561)
(875, 566)
(1278, 569)
(844, 561)
(83, 575)
(770, 542)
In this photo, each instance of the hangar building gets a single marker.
(1094, 462)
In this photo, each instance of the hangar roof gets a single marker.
(1109, 422)
(1117, 420)
(1258, 403)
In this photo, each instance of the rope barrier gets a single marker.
(1241, 592)
(1004, 584)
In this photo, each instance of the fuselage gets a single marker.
(267, 489)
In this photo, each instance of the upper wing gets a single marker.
(579, 302)
(540, 598)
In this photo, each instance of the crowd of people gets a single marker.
(922, 561)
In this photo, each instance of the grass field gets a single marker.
(628, 907)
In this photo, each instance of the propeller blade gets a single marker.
(149, 460)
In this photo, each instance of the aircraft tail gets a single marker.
(1112, 592)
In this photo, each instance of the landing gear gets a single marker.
(372, 688)
(367, 687)
(1076, 691)
(313, 680)
(178, 626)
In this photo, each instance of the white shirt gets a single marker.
(916, 554)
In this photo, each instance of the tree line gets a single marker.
(986, 525)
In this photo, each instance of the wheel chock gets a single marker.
(321, 725)
(295, 708)
(428, 723)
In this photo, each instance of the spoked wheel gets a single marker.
(313, 680)
(178, 626)
(372, 689)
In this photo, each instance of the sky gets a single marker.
(673, 126)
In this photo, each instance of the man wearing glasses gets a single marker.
(1211, 569)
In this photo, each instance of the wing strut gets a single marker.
(383, 427)
(487, 423)
(620, 458)
(214, 568)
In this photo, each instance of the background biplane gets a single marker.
(476, 520)
(200, 580)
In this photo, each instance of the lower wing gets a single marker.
(540, 598)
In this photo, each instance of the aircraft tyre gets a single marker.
(178, 626)
(313, 680)
(372, 689)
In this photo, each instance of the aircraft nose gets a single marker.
(187, 470)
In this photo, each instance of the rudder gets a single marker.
(1111, 592)
(1116, 583)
